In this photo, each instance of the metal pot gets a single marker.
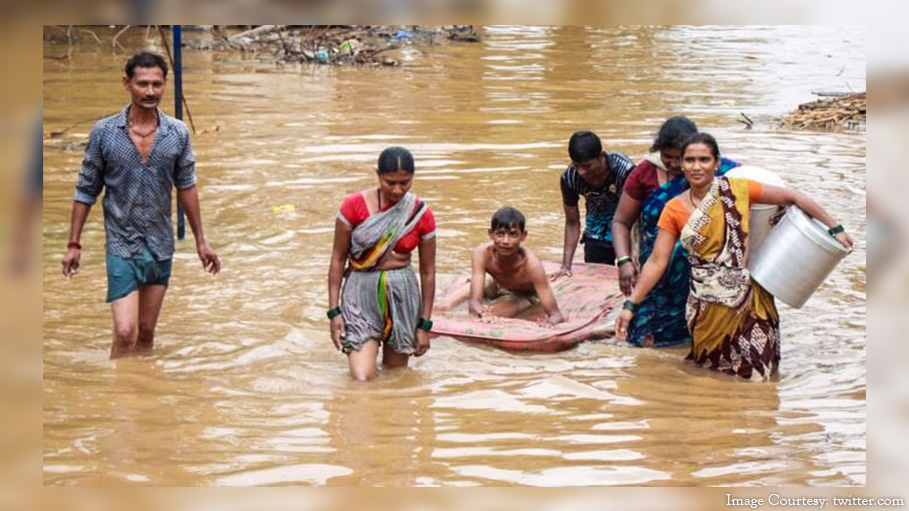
(796, 256)
(759, 225)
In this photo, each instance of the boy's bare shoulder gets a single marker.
(483, 248)
(530, 256)
(483, 251)
(533, 263)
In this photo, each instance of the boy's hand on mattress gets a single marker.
(477, 309)
(489, 319)
(338, 329)
(483, 312)
(621, 324)
(550, 321)
(422, 343)
(544, 323)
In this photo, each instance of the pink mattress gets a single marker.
(586, 298)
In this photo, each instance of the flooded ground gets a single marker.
(246, 389)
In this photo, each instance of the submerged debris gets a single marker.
(339, 44)
(368, 45)
(839, 112)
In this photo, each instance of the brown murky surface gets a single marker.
(245, 388)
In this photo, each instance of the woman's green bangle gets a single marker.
(333, 313)
(425, 324)
(622, 260)
(630, 306)
(836, 230)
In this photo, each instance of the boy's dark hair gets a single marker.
(396, 159)
(584, 146)
(703, 138)
(673, 133)
(508, 217)
(145, 59)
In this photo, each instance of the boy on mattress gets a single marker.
(518, 281)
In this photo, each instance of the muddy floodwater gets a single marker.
(245, 387)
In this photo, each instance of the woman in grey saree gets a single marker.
(377, 301)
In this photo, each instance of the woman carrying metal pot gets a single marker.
(733, 321)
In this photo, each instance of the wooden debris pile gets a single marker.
(842, 111)
(365, 45)
(341, 44)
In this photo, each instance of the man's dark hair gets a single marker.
(673, 133)
(145, 59)
(703, 138)
(584, 146)
(396, 159)
(508, 217)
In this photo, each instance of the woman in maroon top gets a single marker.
(381, 302)
(654, 182)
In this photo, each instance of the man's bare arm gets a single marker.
(73, 256)
(571, 237)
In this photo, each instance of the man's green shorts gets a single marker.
(126, 275)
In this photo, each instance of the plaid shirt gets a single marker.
(137, 204)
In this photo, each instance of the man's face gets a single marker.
(593, 170)
(507, 239)
(146, 87)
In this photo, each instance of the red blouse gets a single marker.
(354, 211)
(642, 181)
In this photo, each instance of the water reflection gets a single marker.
(381, 433)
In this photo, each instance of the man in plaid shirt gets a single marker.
(139, 156)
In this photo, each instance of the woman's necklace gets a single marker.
(691, 198)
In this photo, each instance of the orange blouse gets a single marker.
(677, 212)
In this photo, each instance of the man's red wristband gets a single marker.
(73, 244)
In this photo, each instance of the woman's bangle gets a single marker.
(631, 306)
(425, 324)
(622, 260)
(836, 230)
(73, 244)
(333, 313)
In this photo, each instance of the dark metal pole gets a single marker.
(178, 112)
